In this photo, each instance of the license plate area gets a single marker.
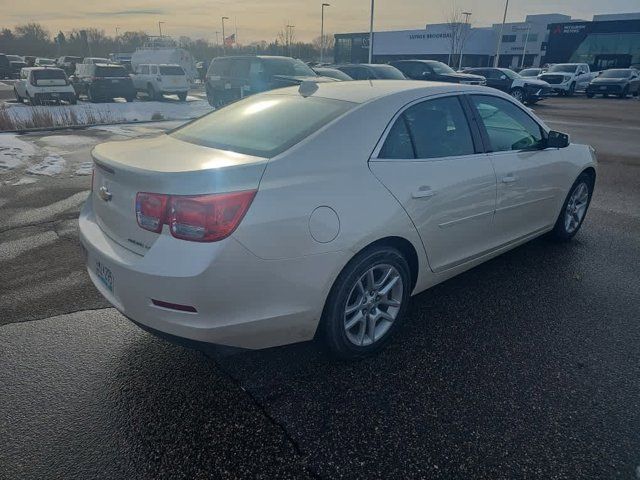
(104, 274)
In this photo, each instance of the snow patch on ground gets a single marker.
(66, 140)
(51, 165)
(25, 181)
(85, 168)
(14, 152)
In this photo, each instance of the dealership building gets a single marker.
(607, 40)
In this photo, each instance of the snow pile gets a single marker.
(14, 152)
(85, 168)
(18, 116)
(66, 140)
(50, 166)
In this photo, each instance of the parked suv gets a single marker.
(369, 71)
(68, 63)
(17, 63)
(435, 71)
(101, 81)
(44, 85)
(568, 78)
(524, 89)
(231, 78)
(5, 66)
(158, 80)
(616, 81)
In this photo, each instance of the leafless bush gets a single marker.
(6, 120)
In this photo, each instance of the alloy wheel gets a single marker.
(518, 95)
(576, 207)
(373, 305)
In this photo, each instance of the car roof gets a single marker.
(362, 91)
(29, 69)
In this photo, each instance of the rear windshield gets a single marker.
(563, 67)
(616, 74)
(264, 125)
(286, 66)
(46, 61)
(529, 72)
(387, 72)
(111, 71)
(171, 70)
(49, 74)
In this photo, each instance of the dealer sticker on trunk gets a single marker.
(104, 274)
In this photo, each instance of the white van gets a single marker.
(44, 85)
(158, 80)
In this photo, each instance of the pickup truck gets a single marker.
(567, 78)
(158, 80)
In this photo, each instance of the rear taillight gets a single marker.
(199, 218)
(151, 211)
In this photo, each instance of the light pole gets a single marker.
(464, 34)
(322, 32)
(504, 19)
(224, 40)
(371, 33)
(524, 50)
(160, 28)
(289, 37)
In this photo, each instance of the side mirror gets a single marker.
(557, 140)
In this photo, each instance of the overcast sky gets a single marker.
(261, 20)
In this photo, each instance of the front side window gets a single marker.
(262, 125)
(144, 69)
(508, 126)
(431, 129)
(171, 70)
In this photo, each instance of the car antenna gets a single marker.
(308, 88)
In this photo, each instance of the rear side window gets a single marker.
(171, 70)
(111, 71)
(220, 67)
(239, 68)
(144, 69)
(264, 125)
(286, 66)
(49, 74)
(437, 128)
(387, 72)
(508, 126)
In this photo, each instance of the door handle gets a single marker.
(509, 178)
(423, 192)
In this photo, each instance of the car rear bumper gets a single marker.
(612, 89)
(239, 299)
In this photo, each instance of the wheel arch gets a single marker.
(591, 172)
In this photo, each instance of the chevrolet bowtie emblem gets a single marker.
(105, 194)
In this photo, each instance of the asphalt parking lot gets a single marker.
(527, 366)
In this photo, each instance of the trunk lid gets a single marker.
(161, 165)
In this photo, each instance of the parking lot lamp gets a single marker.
(504, 19)
(322, 32)
(463, 36)
(371, 33)
(224, 40)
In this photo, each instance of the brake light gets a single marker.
(151, 211)
(199, 218)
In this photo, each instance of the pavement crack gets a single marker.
(270, 418)
(39, 224)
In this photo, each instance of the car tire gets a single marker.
(574, 209)
(625, 92)
(572, 90)
(19, 99)
(182, 96)
(518, 94)
(33, 100)
(91, 96)
(359, 317)
(151, 92)
(129, 99)
(590, 95)
(73, 100)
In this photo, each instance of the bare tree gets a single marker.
(458, 31)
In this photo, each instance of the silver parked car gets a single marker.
(323, 208)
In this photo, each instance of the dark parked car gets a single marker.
(68, 63)
(101, 82)
(5, 66)
(435, 71)
(30, 59)
(231, 78)
(617, 81)
(332, 73)
(371, 71)
(532, 72)
(524, 89)
(17, 63)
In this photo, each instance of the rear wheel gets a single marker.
(574, 209)
(182, 96)
(367, 303)
(18, 97)
(91, 95)
(518, 94)
(129, 99)
(590, 95)
(151, 92)
(625, 92)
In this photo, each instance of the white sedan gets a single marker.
(322, 209)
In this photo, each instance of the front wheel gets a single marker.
(182, 96)
(574, 209)
(19, 99)
(572, 90)
(367, 303)
(590, 95)
(625, 92)
(518, 94)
